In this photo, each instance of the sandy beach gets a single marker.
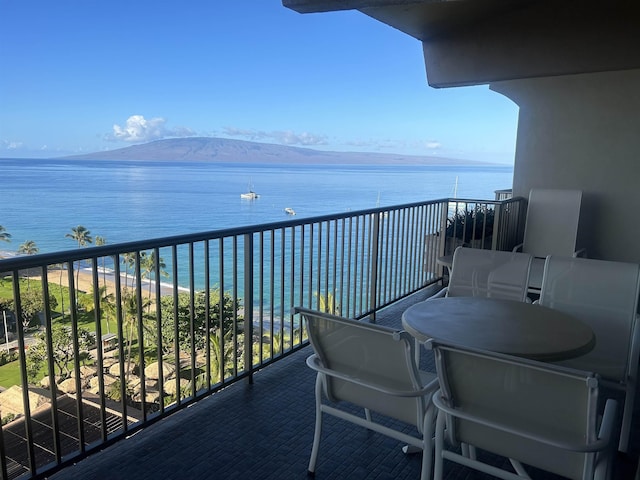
(84, 281)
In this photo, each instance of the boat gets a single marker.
(289, 211)
(250, 195)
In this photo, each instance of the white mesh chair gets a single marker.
(488, 273)
(531, 413)
(373, 367)
(604, 295)
(551, 228)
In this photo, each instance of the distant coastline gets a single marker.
(222, 150)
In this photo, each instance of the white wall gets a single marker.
(583, 131)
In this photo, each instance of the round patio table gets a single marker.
(503, 326)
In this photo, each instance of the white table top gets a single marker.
(504, 326)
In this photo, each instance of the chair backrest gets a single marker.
(604, 295)
(518, 408)
(489, 273)
(551, 227)
(373, 356)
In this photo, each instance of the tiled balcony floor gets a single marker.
(265, 431)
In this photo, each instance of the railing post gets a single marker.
(444, 216)
(373, 287)
(497, 225)
(248, 306)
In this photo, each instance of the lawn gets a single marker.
(10, 374)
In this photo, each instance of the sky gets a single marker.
(81, 76)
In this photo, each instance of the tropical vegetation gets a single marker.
(203, 328)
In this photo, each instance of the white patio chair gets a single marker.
(373, 367)
(531, 413)
(551, 228)
(488, 273)
(604, 295)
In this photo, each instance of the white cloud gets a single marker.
(433, 145)
(10, 145)
(286, 137)
(139, 129)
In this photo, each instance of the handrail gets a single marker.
(223, 311)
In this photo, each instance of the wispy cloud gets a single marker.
(11, 145)
(139, 129)
(286, 137)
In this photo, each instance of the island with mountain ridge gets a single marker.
(224, 150)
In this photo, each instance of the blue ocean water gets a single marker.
(43, 199)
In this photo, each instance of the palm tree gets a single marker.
(130, 311)
(129, 260)
(61, 268)
(83, 236)
(99, 241)
(4, 235)
(107, 305)
(148, 264)
(28, 248)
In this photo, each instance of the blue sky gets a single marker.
(84, 76)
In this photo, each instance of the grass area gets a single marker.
(10, 374)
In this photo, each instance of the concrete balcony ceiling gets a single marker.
(469, 42)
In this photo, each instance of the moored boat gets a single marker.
(250, 195)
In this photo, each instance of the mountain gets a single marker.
(211, 149)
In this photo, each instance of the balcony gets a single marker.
(179, 318)
(265, 431)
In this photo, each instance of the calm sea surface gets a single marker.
(41, 200)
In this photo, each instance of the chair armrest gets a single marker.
(314, 362)
(518, 248)
(440, 294)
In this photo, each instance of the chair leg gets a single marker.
(318, 428)
(427, 443)
(439, 446)
(627, 414)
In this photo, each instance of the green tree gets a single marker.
(130, 312)
(183, 320)
(4, 235)
(62, 353)
(107, 305)
(31, 303)
(98, 242)
(61, 268)
(83, 237)
(35, 358)
(28, 248)
(129, 260)
(148, 268)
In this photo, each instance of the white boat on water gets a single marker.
(250, 195)
(289, 211)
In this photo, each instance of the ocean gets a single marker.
(43, 199)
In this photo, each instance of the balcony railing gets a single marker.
(111, 338)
